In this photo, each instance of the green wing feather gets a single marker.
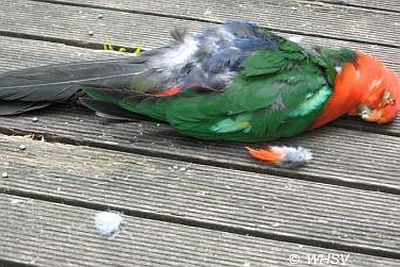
(278, 94)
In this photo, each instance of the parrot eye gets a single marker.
(365, 111)
(388, 99)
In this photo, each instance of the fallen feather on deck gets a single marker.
(282, 156)
(108, 223)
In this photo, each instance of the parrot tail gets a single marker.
(282, 156)
(38, 87)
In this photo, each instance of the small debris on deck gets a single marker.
(108, 223)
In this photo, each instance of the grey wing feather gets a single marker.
(210, 59)
(34, 88)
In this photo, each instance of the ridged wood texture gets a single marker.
(41, 233)
(237, 199)
(347, 198)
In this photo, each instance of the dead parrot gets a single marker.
(232, 82)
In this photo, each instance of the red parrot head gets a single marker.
(380, 90)
(363, 87)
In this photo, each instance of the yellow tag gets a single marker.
(138, 50)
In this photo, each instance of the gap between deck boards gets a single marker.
(194, 246)
(207, 225)
(152, 40)
(99, 157)
(207, 20)
(54, 138)
(353, 4)
(90, 45)
(67, 42)
(339, 3)
(9, 263)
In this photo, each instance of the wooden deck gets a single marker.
(187, 202)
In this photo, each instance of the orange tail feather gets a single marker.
(282, 156)
(268, 155)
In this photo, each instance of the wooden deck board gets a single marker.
(71, 24)
(388, 5)
(241, 200)
(366, 25)
(48, 234)
(359, 125)
(335, 158)
(19, 53)
(337, 151)
(385, 5)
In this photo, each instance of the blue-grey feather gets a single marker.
(211, 58)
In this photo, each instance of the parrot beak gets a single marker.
(380, 101)
(384, 113)
(371, 115)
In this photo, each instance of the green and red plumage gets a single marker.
(277, 94)
(234, 83)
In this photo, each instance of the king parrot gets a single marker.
(232, 82)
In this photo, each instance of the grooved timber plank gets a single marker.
(357, 124)
(71, 24)
(48, 234)
(337, 159)
(22, 53)
(341, 156)
(241, 200)
(74, 23)
(389, 5)
(305, 17)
